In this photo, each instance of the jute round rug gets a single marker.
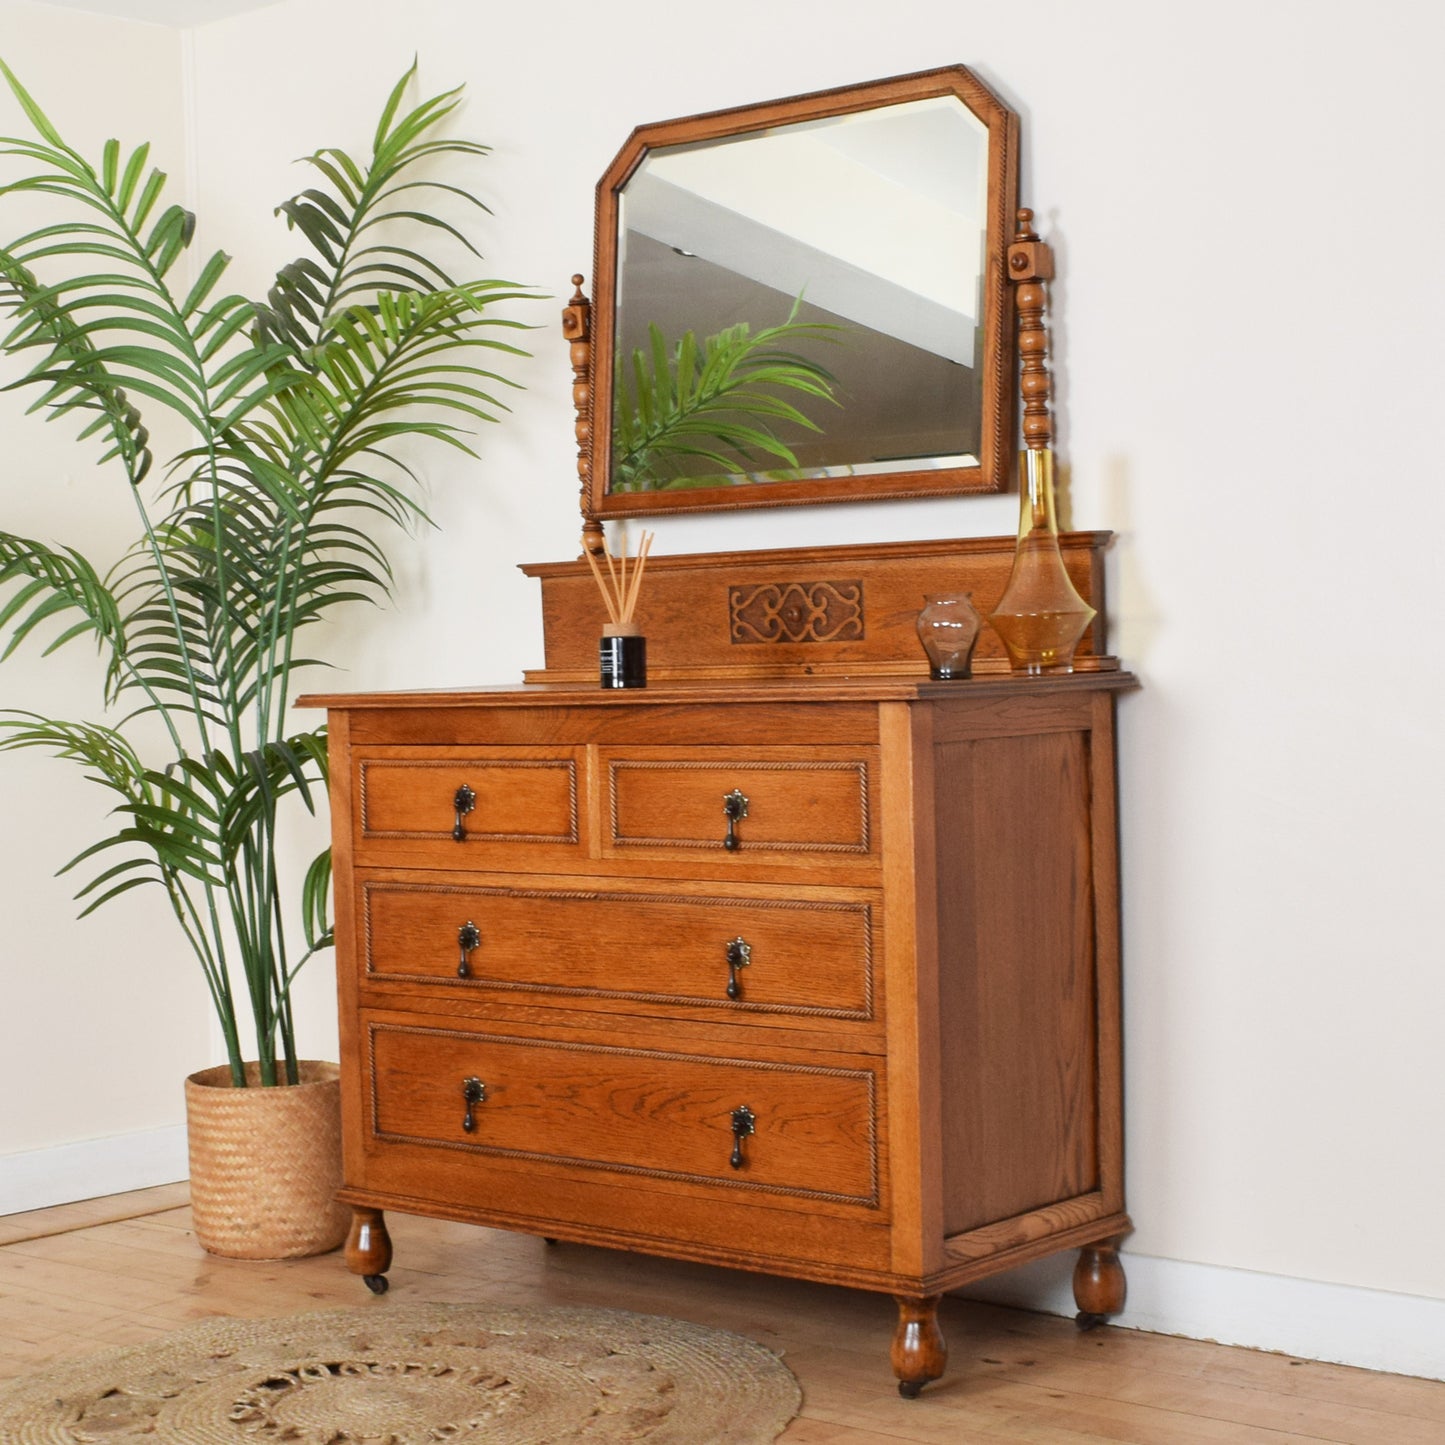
(398, 1374)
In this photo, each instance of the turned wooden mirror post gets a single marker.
(1030, 265)
(577, 332)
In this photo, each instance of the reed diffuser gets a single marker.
(622, 655)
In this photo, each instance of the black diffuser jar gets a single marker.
(622, 660)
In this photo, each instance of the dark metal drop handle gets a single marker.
(744, 1123)
(469, 936)
(474, 1091)
(739, 955)
(735, 808)
(463, 801)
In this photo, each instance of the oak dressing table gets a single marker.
(794, 960)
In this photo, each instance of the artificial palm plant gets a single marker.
(299, 409)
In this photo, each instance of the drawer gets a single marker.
(793, 1129)
(784, 955)
(459, 804)
(814, 801)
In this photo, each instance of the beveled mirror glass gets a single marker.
(805, 301)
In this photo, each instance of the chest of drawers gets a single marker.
(816, 977)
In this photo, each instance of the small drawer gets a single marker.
(809, 955)
(776, 801)
(421, 799)
(784, 1129)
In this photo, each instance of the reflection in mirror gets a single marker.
(803, 302)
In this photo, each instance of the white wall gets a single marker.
(1242, 200)
(99, 1020)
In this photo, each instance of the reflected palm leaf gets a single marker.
(719, 402)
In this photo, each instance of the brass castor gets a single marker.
(377, 1283)
(1086, 1320)
(910, 1389)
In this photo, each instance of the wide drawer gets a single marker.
(465, 805)
(778, 1128)
(768, 801)
(793, 955)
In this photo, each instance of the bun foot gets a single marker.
(919, 1353)
(1098, 1284)
(368, 1248)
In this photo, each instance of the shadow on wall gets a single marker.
(1134, 618)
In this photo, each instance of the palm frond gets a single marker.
(58, 582)
(269, 520)
(351, 199)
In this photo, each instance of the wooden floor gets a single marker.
(121, 1270)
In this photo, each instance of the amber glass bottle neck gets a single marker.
(1036, 493)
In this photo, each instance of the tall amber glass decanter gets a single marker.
(1040, 617)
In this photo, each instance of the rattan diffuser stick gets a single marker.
(619, 591)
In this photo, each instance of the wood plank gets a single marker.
(60, 1218)
(1269, 1371)
(1194, 1411)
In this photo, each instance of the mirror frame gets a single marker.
(998, 444)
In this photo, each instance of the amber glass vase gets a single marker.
(1040, 617)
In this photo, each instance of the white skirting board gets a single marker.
(40, 1178)
(1338, 1323)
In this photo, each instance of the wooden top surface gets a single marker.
(891, 688)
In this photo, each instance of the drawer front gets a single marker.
(793, 1129)
(814, 801)
(746, 955)
(432, 800)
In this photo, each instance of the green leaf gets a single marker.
(150, 194)
(393, 103)
(211, 272)
(316, 903)
(133, 168)
(33, 112)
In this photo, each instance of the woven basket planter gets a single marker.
(266, 1164)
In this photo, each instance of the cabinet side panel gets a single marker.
(1016, 963)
